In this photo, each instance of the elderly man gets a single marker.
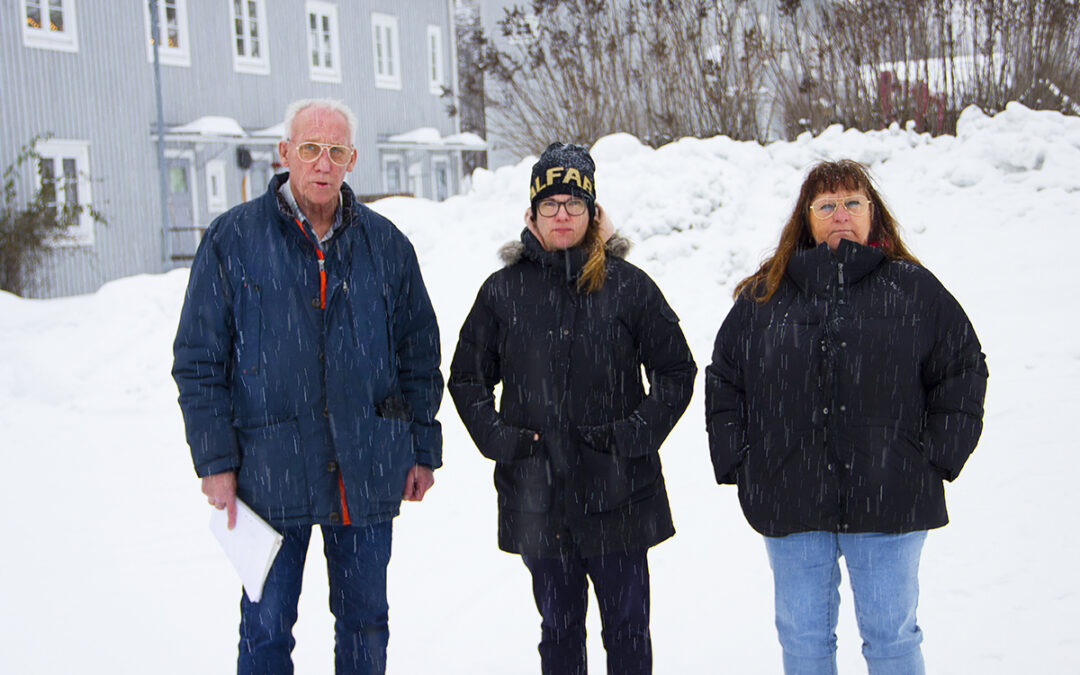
(307, 360)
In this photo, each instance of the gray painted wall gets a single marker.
(104, 94)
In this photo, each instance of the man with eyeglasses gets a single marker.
(307, 359)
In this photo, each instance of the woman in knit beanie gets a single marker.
(566, 328)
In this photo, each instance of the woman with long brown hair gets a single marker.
(566, 328)
(846, 385)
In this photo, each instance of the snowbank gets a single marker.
(107, 530)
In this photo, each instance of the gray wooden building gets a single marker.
(82, 72)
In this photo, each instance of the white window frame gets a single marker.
(387, 58)
(403, 180)
(436, 68)
(414, 181)
(66, 40)
(328, 11)
(81, 233)
(437, 162)
(245, 63)
(259, 157)
(169, 56)
(217, 199)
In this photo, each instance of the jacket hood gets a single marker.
(513, 251)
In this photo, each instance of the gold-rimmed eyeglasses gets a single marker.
(826, 207)
(309, 151)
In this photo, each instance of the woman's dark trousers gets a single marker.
(561, 588)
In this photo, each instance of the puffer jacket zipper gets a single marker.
(832, 365)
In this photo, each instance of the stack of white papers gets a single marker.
(251, 546)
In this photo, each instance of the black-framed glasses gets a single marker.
(549, 208)
(309, 151)
(855, 205)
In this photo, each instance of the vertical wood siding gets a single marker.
(104, 94)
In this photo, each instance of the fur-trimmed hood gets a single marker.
(617, 245)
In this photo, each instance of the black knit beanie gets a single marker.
(564, 169)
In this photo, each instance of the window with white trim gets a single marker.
(440, 177)
(393, 174)
(172, 23)
(249, 35)
(416, 180)
(436, 72)
(63, 178)
(384, 42)
(324, 54)
(258, 174)
(216, 199)
(50, 24)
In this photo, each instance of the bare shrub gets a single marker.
(29, 229)
(866, 64)
(661, 69)
(579, 69)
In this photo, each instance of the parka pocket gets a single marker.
(609, 481)
(271, 478)
(776, 451)
(391, 458)
(888, 452)
(525, 485)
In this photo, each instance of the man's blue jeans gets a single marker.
(561, 591)
(356, 560)
(884, 571)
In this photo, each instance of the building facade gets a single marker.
(79, 77)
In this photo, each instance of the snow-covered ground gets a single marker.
(109, 566)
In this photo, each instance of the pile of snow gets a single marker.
(106, 529)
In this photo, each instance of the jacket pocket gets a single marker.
(271, 478)
(608, 481)
(775, 451)
(887, 452)
(394, 407)
(247, 343)
(525, 485)
(392, 456)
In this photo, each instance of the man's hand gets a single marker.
(417, 483)
(220, 491)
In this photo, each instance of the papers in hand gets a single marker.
(251, 546)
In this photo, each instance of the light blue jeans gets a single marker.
(884, 571)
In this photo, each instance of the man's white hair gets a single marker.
(331, 104)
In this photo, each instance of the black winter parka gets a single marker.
(843, 402)
(570, 365)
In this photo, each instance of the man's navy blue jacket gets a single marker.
(293, 396)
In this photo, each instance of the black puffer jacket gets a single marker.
(570, 367)
(842, 403)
